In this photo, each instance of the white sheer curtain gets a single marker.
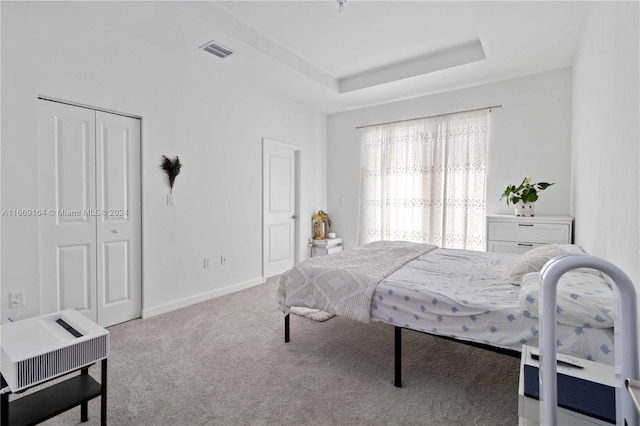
(424, 181)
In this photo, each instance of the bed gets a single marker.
(481, 298)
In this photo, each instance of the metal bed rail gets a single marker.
(625, 336)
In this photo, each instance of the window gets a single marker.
(424, 180)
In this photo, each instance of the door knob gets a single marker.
(293, 217)
(115, 231)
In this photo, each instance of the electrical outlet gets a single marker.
(223, 260)
(16, 299)
(207, 262)
(171, 200)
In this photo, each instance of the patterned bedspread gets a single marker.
(343, 283)
(466, 295)
(457, 293)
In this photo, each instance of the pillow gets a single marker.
(533, 261)
(583, 301)
(571, 248)
(574, 249)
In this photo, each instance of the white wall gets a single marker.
(212, 119)
(529, 136)
(606, 135)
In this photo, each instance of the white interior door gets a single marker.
(90, 238)
(279, 204)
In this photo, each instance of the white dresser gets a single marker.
(517, 234)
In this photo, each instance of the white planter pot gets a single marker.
(525, 209)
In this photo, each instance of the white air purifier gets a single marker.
(38, 349)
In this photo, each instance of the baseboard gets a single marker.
(177, 304)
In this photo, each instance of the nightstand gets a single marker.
(326, 246)
(517, 234)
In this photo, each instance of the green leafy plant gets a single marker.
(172, 168)
(527, 192)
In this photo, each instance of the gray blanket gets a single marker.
(343, 283)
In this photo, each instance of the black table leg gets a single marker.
(103, 397)
(4, 409)
(84, 407)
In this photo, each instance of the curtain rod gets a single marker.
(429, 116)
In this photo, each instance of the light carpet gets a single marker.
(224, 362)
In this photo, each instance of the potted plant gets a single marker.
(524, 196)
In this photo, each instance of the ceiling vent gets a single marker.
(217, 49)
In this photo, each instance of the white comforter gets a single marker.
(467, 295)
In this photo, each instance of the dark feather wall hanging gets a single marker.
(172, 168)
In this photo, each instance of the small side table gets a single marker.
(56, 399)
(326, 246)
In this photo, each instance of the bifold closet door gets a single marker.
(90, 234)
(119, 236)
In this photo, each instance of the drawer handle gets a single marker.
(525, 245)
(525, 224)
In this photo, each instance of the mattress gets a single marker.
(466, 295)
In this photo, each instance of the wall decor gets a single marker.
(172, 168)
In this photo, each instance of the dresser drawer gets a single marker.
(528, 232)
(510, 247)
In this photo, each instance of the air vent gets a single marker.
(217, 49)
